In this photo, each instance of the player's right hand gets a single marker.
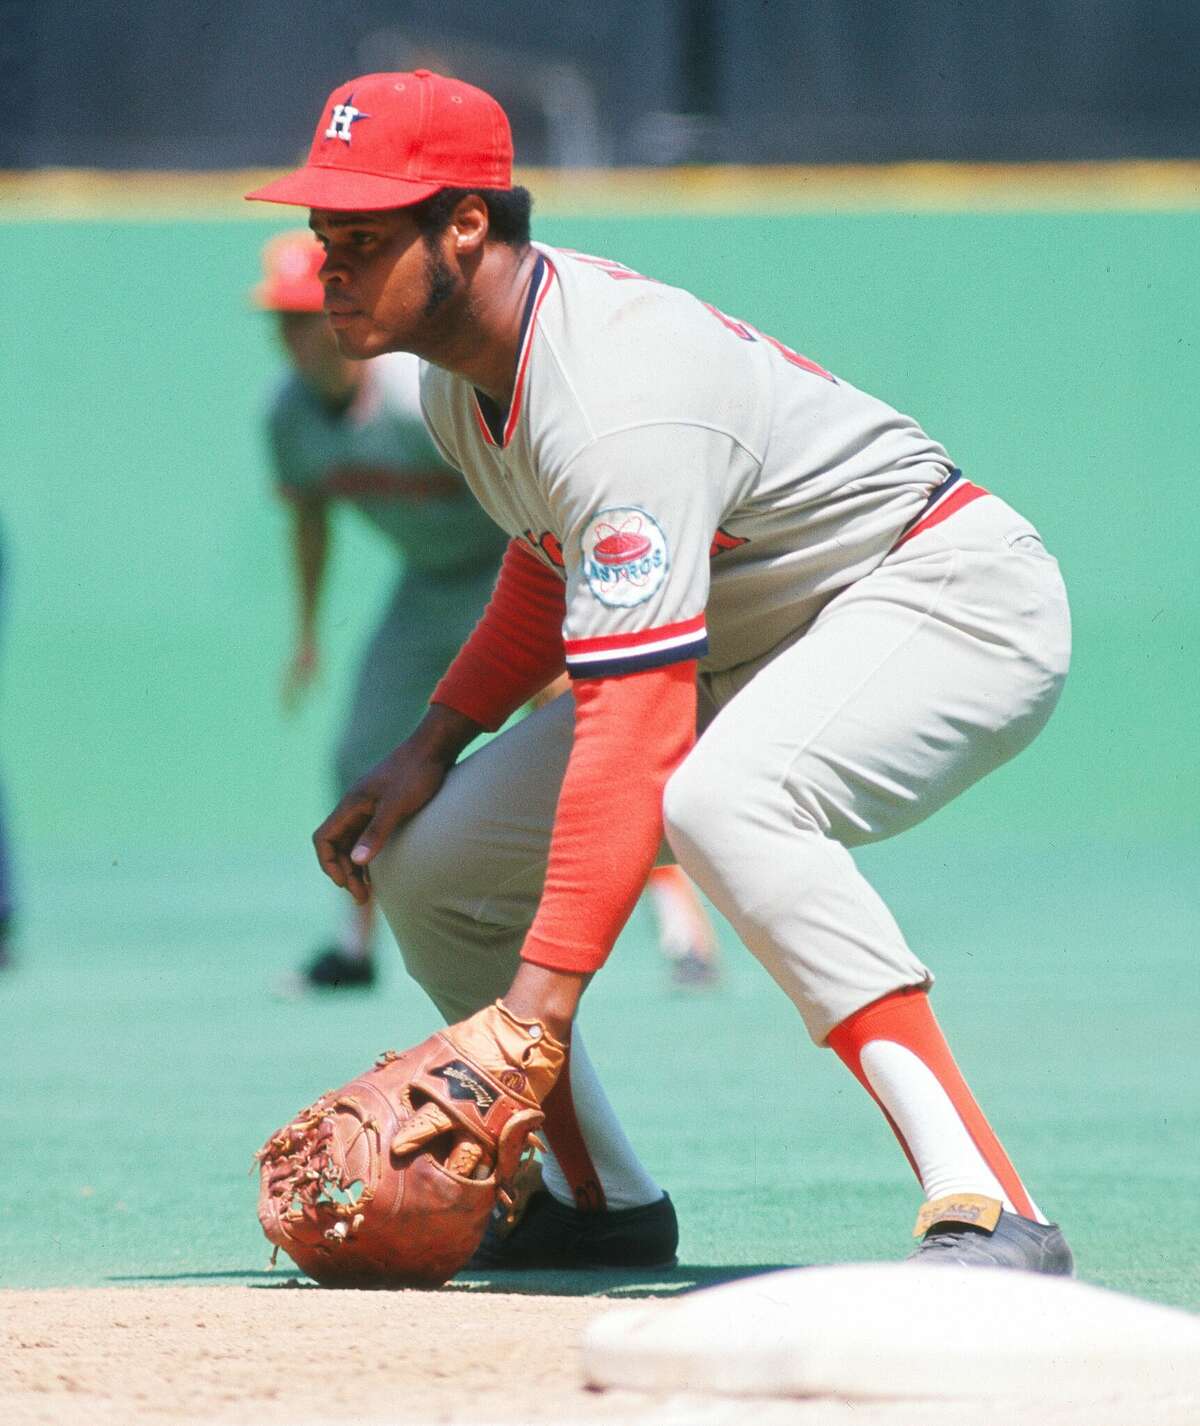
(370, 812)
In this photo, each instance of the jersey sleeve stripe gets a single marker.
(683, 630)
(608, 665)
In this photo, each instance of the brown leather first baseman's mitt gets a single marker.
(389, 1181)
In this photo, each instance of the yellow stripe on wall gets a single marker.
(1139, 185)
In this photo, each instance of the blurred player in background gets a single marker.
(353, 432)
(6, 905)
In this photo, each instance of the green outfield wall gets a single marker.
(1056, 355)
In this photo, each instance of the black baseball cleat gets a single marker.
(333, 969)
(551, 1234)
(694, 971)
(970, 1230)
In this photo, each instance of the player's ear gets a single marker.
(469, 223)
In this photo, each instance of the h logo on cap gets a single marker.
(343, 116)
(426, 132)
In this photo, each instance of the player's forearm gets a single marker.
(630, 735)
(551, 996)
(443, 733)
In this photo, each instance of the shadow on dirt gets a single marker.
(624, 1283)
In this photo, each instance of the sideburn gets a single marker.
(439, 277)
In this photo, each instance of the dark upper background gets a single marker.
(231, 83)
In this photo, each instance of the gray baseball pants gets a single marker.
(908, 687)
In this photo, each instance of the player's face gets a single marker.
(381, 280)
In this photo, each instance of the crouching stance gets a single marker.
(793, 626)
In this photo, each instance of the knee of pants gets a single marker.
(704, 807)
(412, 878)
(423, 884)
(697, 811)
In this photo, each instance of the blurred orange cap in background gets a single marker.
(290, 283)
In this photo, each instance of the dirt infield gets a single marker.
(267, 1355)
(225, 1355)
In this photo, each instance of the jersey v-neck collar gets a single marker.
(496, 424)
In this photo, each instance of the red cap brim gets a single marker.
(342, 190)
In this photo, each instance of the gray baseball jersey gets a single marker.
(702, 489)
(377, 456)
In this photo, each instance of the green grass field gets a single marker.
(161, 807)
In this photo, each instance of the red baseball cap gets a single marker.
(388, 140)
(290, 283)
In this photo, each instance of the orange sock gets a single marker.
(897, 1051)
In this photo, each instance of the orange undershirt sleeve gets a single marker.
(515, 650)
(631, 732)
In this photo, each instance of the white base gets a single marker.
(872, 1331)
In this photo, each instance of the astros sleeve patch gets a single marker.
(637, 511)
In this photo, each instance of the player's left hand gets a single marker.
(391, 1180)
(501, 1044)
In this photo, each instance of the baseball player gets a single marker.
(711, 531)
(349, 432)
